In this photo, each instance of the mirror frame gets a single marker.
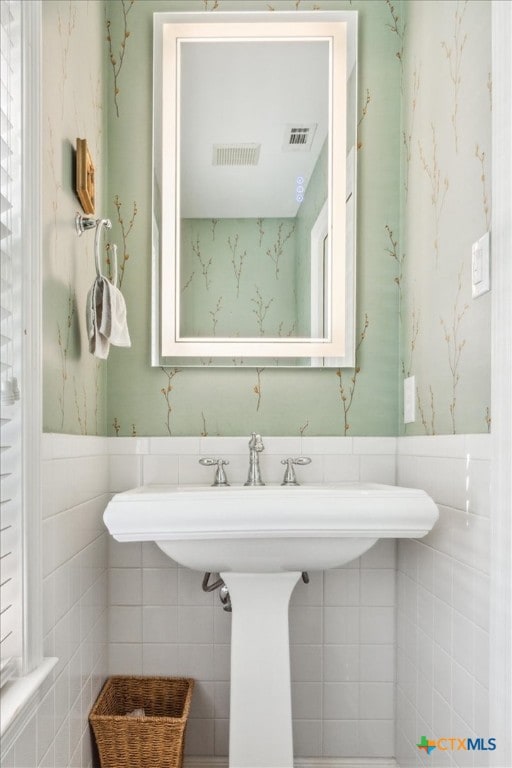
(339, 28)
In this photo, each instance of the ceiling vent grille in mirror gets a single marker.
(236, 154)
(299, 137)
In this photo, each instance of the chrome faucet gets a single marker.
(255, 448)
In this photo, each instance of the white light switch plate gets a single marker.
(480, 266)
(409, 400)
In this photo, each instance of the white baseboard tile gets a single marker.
(303, 762)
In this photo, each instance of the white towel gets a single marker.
(113, 325)
(106, 314)
(99, 345)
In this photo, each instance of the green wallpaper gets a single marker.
(73, 107)
(446, 155)
(238, 277)
(413, 239)
(272, 401)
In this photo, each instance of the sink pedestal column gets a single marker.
(260, 727)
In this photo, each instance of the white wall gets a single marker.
(75, 482)
(443, 602)
(345, 626)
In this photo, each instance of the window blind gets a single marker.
(11, 536)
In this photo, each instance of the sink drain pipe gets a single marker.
(224, 592)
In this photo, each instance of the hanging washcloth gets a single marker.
(105, 310)
(113, 325)
(99, 345)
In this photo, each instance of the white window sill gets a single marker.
(18, 699)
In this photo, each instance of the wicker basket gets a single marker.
(155, 740)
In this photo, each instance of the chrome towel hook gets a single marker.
(83, 223)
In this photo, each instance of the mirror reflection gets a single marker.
(253, 180)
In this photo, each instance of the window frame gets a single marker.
(19, 696)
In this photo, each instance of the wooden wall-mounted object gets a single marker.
(85, 187)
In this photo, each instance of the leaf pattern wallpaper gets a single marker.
(424, 127)
(74, 382)
(237, 281)
(445, 208)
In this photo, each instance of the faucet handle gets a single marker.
(220, 475)
(289, 474)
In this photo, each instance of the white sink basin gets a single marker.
(268, 528)
(260, 539)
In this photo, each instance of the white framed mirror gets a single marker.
(254, 188)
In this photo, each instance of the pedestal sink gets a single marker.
(260, 539)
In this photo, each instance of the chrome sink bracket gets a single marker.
(220, 475)
(289, 474)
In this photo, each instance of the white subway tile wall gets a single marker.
(347, 634)
(342, 625)
(443, 602)
(75, 485)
